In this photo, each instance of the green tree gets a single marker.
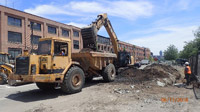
(192, 47)
(171, 53)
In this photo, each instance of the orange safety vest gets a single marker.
(189, 70)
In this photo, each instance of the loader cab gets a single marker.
(4, 58)
(55, 54)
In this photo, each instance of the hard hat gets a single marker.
(186, 63)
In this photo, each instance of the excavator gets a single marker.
(89, 36)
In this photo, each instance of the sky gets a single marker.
(154, 24)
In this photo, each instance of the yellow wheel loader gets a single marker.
(56, 65)
(5, 67)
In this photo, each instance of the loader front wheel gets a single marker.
(74, 80)
(3, 78)
(46, 86)
(109, 73)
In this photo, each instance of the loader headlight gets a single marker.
(33, 69)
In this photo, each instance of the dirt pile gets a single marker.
(166, 69)
(155, 72)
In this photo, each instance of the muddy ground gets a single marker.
(151, 89)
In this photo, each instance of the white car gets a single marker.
(144, 62)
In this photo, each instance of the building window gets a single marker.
(99, 47)
(76, 44)
(14, 52)
(65, 33)
(36, 26)
(14, 21)
(14, 37)
(76, 34)
(35, 39)
(51, 30)
(105, 48)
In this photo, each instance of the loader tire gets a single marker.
(3, 78)
(109, 73)
(46, 86)
(73, 81)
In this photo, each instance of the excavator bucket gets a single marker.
(89, 36)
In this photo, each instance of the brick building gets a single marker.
(147, 53)
(104, 45)
(126, 46)
(20, 30)
(141, 53)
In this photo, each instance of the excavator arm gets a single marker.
(89, 34)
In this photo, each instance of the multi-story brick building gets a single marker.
(126, 46)
(147, 53)
(20, 30)
(104, 45)
(141, 53)
(138, 53)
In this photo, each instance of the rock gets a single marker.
(132, 86)
(121, 91)
(137, 91)
(160, 84)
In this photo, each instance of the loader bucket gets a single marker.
(89, 36)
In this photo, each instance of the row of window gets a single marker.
(103, 40)
(125, 47)
(37, 26)
(138, 49)
(105, 48)
(16, 37)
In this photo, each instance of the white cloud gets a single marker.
(77, 24)
(2, 2)
(123, 9)
(43, 10)
(175, 35)
(183, 4)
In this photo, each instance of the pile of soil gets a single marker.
(166, 69)
(150, 73)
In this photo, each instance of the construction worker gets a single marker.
(187, 72)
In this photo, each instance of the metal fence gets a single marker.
(195, 66)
